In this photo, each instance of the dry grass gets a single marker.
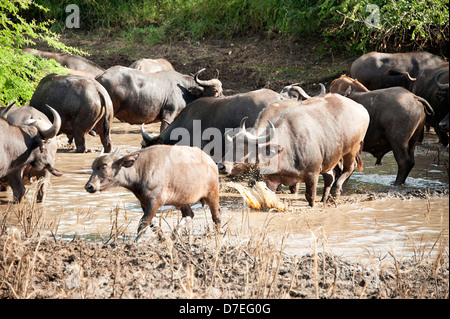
(239, 263)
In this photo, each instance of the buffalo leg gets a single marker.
(311, 181)
(16, 182)
(328, 180)
(405, 162)
(186, 211)
(150, 208)
(103, 130)
(80, 141)
(214, 207)
(348, 166)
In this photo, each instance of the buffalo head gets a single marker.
(246, 151)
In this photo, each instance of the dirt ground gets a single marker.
(211, 265)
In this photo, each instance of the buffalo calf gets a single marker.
(161, 175)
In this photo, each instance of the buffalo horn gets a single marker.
(145, 136)
(439, 84)
(47, 132)
(4, 113)
(300, 91)
(262, 139)
(323, 89)
(212, 82)
(242, 125)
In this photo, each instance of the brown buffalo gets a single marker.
(161, 175)
(82, 103)
(397, 119)
(303, 142)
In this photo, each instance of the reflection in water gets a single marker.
(352, 230)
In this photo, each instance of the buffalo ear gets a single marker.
(196, 90)
(128, 160)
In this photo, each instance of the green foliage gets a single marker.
(20, 72)
(341, 23)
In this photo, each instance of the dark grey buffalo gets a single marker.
(397, 119)
(433, 85)
(18, 116)
(140, 97)
(73, 62)
(161, 175)
(303, 142)
(203, 122)
(152, 65)
(82, 103)
(372, 69)
(30, 144)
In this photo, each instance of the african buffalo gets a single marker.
(158, 176)
(397, 119)
(372, 69)
(303, 142)
(433, 85)
(17, 116)
(203, 122)
(152, 65)
(73, 62)
(82, 103)
(140, 97)
(31, 143)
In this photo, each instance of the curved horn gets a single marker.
(262, 139)
(439, 84)
(4, 113)
(203, 82)
(301, 92)
(242, 125)
(111, 155)
(51, 131)
(145, 136)
(323, 89)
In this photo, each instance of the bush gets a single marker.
(21, 72)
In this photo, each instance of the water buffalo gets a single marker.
(31, 143)
(303, 142)
(152, 65)
(157, 176)
(17, 116)
(372, 69)
(140, 97)
(73, 62)
(397, 119)
(82, 103)
(433, 85)
(444, 124)
(203, 122)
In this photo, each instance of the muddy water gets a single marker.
(362, 224)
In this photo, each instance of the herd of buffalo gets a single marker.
(289, 137)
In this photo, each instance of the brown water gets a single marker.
(356, 229)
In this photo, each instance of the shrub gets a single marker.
(20, 72)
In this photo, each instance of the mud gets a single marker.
(375, 241)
